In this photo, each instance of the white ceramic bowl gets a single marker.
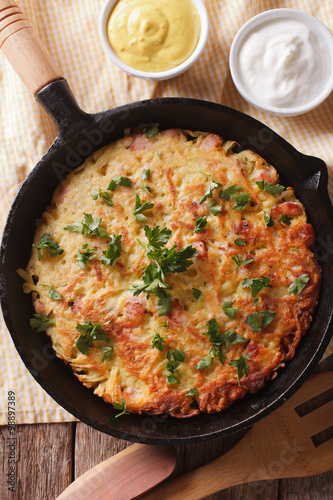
(316, 26)
(160, 75)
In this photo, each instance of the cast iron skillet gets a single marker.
(79, 135)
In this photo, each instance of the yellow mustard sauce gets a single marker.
(154, 35)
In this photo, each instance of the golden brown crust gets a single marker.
(181, 172)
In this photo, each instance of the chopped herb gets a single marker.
(257, 284)
(298, 285)
(113, 251)
(40, 322)
(192, 392)
(260, 320)
(197, 293)
(107, 353)
(268, 221)
(239, 242)
(200, 224)
(85, 255)
(205, 362)
(255, 301)
(241, 201)
(230, 192)
(158, 342)
(214, 208)
(46, 241)
(229, 311)
(241, 365)
(213, 185)
(151, 130)
(220, 340)
(270, 188)
(139, 208)
(88, 227)
(160, 155)
(166, 325)
(117, 181)
(295, 249)
(121, 406)
(146, 188)
(240, 262)
(285, 220)
(107, 197)
(145, 174)
(162, 262)
(178, 356)
(53, 294)
(88, 332)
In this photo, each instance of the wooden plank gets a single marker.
(43, 460)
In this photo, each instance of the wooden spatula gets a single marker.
(124, 476)
(279, 446)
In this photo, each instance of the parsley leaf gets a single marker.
(46, 241)
(85, 255)
(88, 332)
(174, 359)
(213, 185)
(121, 406)
(117, 181)
(145, 174)
(200, 224)
(151, 129)
(107, 197)
(162, 262)
(270, 188)
(214, 208)
(285, 220)
(241, 365)
(107, 353)
(260, 320)
(192, 392)
(146, 188)
(256, 284)
(158, 342)
(197, 294)
(113, 251)
(297, 286)
(88, 227)
(219, 340)
(139, 208)
(241, 201)
(53, 294)
(268, 221)
(205, 362)
(239, 242)
(40, 322)
(230, 192)
(240, 262)
(229, 311)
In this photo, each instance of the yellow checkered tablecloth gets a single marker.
(69, 28)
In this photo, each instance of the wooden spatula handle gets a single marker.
(24, 50)
(124, 476)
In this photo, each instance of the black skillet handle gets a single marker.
(38, 71)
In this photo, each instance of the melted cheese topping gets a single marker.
(182, 167)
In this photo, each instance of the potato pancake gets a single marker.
(173, 274)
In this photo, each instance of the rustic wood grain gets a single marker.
(43, 461)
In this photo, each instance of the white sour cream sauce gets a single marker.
(283, 63)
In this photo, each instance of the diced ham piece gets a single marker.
(135, 306)
(201, 249)
(177, 315)
(39, 307)
(171, 132)
(306, 233)
(286, 208)
(265, 175)
(59, 194)
(139, 143)
(211, 142)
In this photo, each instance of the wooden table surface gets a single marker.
(50, 456)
